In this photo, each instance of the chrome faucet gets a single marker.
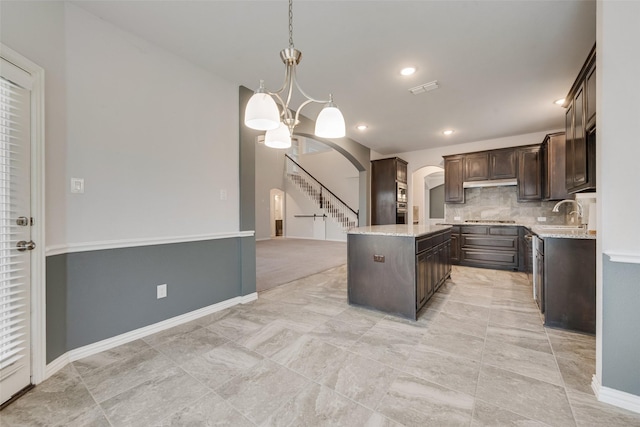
(578, 205)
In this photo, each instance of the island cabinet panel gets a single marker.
(397, 274)
(454, 247)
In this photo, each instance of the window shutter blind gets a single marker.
(14, 265)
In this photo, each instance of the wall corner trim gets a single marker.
(109, 343)
(614, 397)
(132, 243)
(623, 257)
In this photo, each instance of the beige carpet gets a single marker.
(280, 261)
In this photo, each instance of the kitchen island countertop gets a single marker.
(399, 230)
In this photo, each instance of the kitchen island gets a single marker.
(397, 268)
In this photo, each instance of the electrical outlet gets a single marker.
(542, 219)
(161, 291)
(456, 218)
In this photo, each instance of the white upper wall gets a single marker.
(36, 31)
(154, 137)
(618, 111)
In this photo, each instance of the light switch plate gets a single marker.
(223, 194)
(77, 185)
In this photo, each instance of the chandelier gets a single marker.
(262, 112)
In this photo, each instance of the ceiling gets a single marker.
(500, 64)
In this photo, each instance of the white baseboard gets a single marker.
(109, 343)
(614, 397)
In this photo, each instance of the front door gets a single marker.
(15, 229)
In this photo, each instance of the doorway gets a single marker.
(276, 209)
(22, 344)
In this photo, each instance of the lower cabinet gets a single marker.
(397, 274)
(489, 246)
(568, 270)
(433, 266)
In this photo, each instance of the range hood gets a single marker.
(490, 183)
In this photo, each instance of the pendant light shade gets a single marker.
(330, 122)
(266, 110)
(278, 138)
(261, 112)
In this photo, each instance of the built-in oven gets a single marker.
(401, 194)
(401, 213)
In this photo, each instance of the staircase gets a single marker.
(335, 208)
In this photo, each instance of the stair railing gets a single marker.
(337, 209)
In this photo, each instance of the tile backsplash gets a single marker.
(501, 203)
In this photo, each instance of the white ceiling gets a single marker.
(500, 64)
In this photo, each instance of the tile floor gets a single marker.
(301, 356)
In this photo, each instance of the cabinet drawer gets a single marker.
(423, 244)
(489, 258)
(503, 231)
(497, 243)
(474, 229)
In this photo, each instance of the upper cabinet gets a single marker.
(453, 179)
(552, 154)
(529, 174)
(502, 164)
(487, 165)
(505, 163)
(476, 167)
(580, 120)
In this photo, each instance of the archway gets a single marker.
(423, 180)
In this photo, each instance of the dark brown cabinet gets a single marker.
(502, 164)
(388, 191)
(397, 274)
(579, 120)
(453, 179)
(553, 153)
(568, 271)
(454, 248)
(433, 265)
(529, 174)
(590, 97)
(476, 167)
(487, 165)
(489, 246)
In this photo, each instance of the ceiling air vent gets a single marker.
(424, 88)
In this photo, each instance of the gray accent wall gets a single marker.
(105, 293)
(56, 311)
(621, 326)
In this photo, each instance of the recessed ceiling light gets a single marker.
(559, 101)
(408, 71)
(362, 127)
(448, 132)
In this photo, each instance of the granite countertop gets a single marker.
(542, 230)
(399, 230)
(562, 233)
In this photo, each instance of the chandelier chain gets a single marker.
(291, 23)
